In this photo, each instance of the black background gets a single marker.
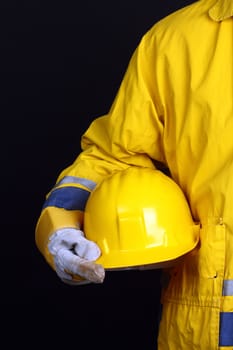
(61, 66)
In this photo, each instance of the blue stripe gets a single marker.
(226, 329)
(77, 180)
(227, 288)
(70, 198)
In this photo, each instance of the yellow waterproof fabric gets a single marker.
(174, 107)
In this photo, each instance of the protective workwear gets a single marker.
(153, 226)
(174, 107)
(74, 255)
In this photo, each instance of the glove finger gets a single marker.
(87, 249)
(67, 278)
(91, 271)
(68, 261)
(60, 270)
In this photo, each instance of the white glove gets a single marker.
(74, 254)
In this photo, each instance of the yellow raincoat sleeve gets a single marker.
(131, 134)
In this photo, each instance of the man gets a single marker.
(175, 108)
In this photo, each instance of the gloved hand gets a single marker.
(75, 255)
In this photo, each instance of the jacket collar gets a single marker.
(222, 9)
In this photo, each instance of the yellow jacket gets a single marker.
(174, 108)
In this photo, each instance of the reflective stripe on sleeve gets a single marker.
(77, 180)
(226, 329)
(227, 288)
(70, 198)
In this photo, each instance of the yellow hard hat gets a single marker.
(139, 216)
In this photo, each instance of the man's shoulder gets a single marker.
(186, 16)
(183, 21)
